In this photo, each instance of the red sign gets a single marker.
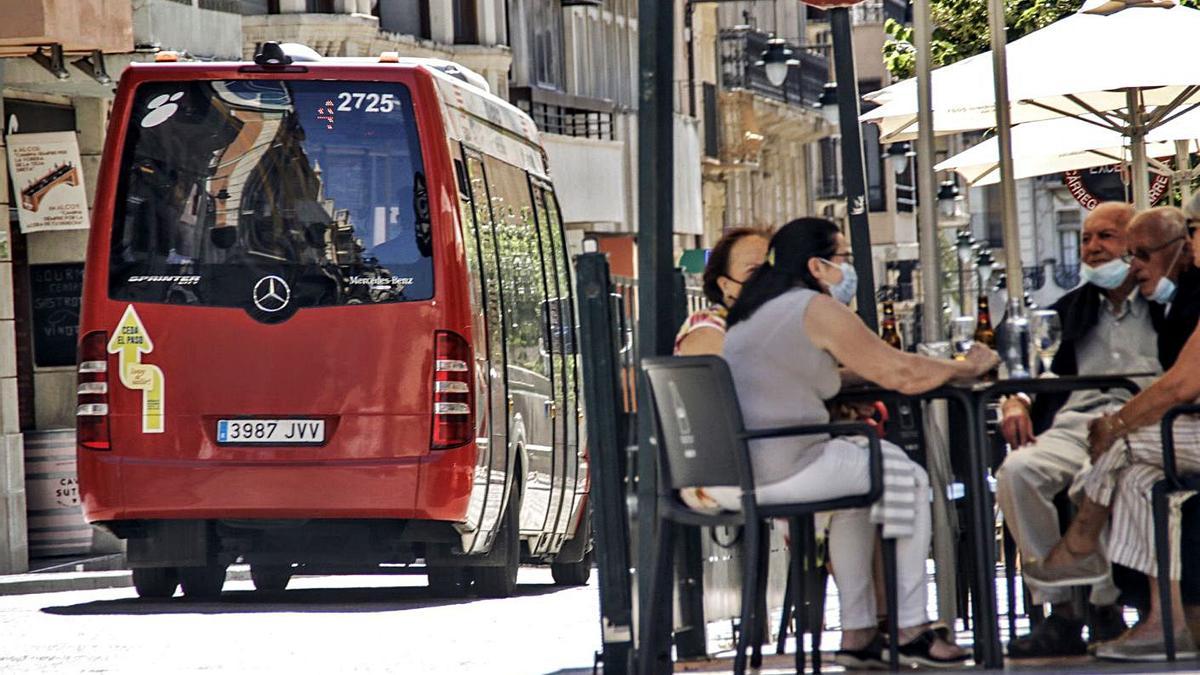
(1099, 184)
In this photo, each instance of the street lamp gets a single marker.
(829, 103)
(950, 202)
(962, 244)
(898, 154)
(985, 263)
(776, 59)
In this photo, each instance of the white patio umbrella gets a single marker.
(1130, 71)
(1066, 144)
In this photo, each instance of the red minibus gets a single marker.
(328, 325)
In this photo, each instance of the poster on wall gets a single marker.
(47, 181)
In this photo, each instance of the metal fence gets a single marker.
(564, 114)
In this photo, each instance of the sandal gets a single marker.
(870, 657)
(918, 652)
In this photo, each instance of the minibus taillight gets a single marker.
(91, 411)
(453, 423)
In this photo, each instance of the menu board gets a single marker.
(55, 291)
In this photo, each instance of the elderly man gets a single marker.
(1107, 328)
(1126, 447)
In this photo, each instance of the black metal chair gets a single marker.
(702, 442)
(1173, 482)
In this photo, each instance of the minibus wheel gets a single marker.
(573, 574)
(270, 577)
(155, 582)
(448, 582)
(202, 583)
(500, 581)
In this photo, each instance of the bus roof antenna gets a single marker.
(271, 54)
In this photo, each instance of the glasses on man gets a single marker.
(1143, 254)
(845, 256)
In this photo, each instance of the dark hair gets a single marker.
(787, 265)
(717, 265)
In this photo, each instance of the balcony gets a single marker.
(79, 26)
(564, 114)
(741, 47)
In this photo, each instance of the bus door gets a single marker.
(558, 317)
(529, 372)
(484, 263)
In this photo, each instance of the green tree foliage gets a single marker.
(961, 29)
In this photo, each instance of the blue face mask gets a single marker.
(1164, 292)
(844, 290)
(1107, 276)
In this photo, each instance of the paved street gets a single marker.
(320, 624)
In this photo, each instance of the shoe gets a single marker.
(1151, 650)
(917, 653)
(1055, 636)
(870, 657)
(1107, 623)
(1088, 570)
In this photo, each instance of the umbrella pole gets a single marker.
(1183, 171)
(1140, 168)
(1008, 187)
(945, 528)
(930, 257)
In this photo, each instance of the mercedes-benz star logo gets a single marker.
(271, 294)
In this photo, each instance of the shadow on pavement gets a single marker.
(339, 600)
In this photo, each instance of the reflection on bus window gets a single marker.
(226, 182)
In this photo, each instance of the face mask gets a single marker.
(1164, 292)
(844, 290)
(1107, 276)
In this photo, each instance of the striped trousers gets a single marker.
(1124, 477)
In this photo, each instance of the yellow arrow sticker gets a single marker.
(129, 342)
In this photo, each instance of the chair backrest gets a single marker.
(699, 422)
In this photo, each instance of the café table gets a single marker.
(971, 401)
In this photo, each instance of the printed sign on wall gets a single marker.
(47, 181)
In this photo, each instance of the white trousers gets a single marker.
(840, 470)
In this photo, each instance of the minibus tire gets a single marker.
(448, 582)
(202, 583)
(574, 573)
(155, 582)
(499, 581)
(270, 577)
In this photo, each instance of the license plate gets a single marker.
(270, 431)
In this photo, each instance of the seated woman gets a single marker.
(1121, 477)
(786, 337)
(736, 255)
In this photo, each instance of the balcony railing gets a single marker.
(564, 114)
(741, 47)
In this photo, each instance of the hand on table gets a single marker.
(981, 359)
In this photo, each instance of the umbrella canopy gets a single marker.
(1082, 64)
(1066, 144)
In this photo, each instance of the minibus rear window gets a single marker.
(318, 185)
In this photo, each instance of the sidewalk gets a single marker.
(55, 575)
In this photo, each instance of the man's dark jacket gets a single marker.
(1177, 326)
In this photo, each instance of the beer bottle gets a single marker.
(889, 333)
(984, 333)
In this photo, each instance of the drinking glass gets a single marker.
(962, 335)
(1046, 329)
